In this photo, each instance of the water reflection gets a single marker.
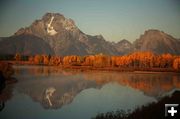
(152, 84)
(6, 95)
(54, 87)
(2, 105)
(51, 87)
(48, 93)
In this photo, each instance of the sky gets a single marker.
(113, 19)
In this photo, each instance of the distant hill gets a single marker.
(123, 47)
(55, 34)
(157, 42)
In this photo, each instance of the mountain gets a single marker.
(24, 44)
(157, 42)
(65, 38)
(123, 47)
(55, 34)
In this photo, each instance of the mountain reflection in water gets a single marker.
(67, 84)
(54, 88)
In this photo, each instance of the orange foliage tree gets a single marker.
(17, 57)
(101, 61)
(176, 63)
(167, 60)
(72, 60)
(38, 59)
(55, 60)
(137, 60)
(88, 60)
(46, 59)
(31, 59)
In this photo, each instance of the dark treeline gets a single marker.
(6, 72)
(11, 57)
(6, 57)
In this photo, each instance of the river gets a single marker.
(52, 93)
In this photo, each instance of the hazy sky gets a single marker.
(114, 19)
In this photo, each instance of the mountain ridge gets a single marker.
(65, 38)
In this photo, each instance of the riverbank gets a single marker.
(6, 72)
(151, 111)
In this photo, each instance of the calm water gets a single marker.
(52, 93)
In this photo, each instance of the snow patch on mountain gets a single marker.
(50, 28)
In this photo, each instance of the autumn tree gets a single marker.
(101, 60)
(157, 61)
(38, 59)
(46, 59)
(72, 60)
(176, 63)
(55, 60)
(31, 59)
(137, 60)
(167, 60)
(88, 60)
(114, 61)
(17, 57)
